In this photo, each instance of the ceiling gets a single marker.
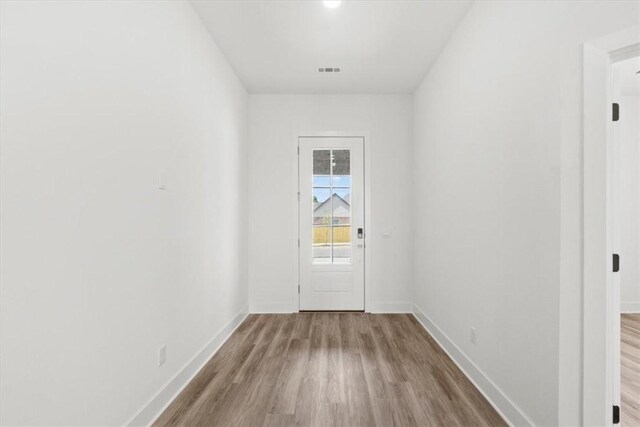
(379, 46)
(629, 77)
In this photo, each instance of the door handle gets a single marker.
(360, 233)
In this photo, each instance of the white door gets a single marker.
(331, 208)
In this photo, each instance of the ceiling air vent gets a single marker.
(329, 70)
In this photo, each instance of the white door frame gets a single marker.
(367, 209)
(598, 291)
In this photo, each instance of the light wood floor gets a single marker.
(330, 369)
(630, 370)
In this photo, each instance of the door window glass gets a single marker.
(331, 206)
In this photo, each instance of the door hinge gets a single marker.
(615, 112)
(616, 414)
(298, 288)
(298, 242)
(298, 196)
(298, 150)
(616, 263)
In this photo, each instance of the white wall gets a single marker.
(274, 122)
(99, 267)
(627, 201)
(498, 197)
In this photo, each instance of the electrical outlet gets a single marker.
(473, 337)
(162, 355)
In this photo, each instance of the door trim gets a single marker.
(367, 209)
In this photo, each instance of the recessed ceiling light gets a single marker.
(332, 4)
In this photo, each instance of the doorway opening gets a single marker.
(601, 385)
(625, 78)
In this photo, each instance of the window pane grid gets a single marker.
(332, 215)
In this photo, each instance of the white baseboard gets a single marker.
(391, 307)
(287, 307)
(152, 410)
(272, 307)
(630, 307)
(501, 403)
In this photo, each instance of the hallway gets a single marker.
(340, 369)
(262, 213)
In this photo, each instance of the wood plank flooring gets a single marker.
(330, 369)
(630, 370)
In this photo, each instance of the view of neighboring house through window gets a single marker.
(331, 206)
